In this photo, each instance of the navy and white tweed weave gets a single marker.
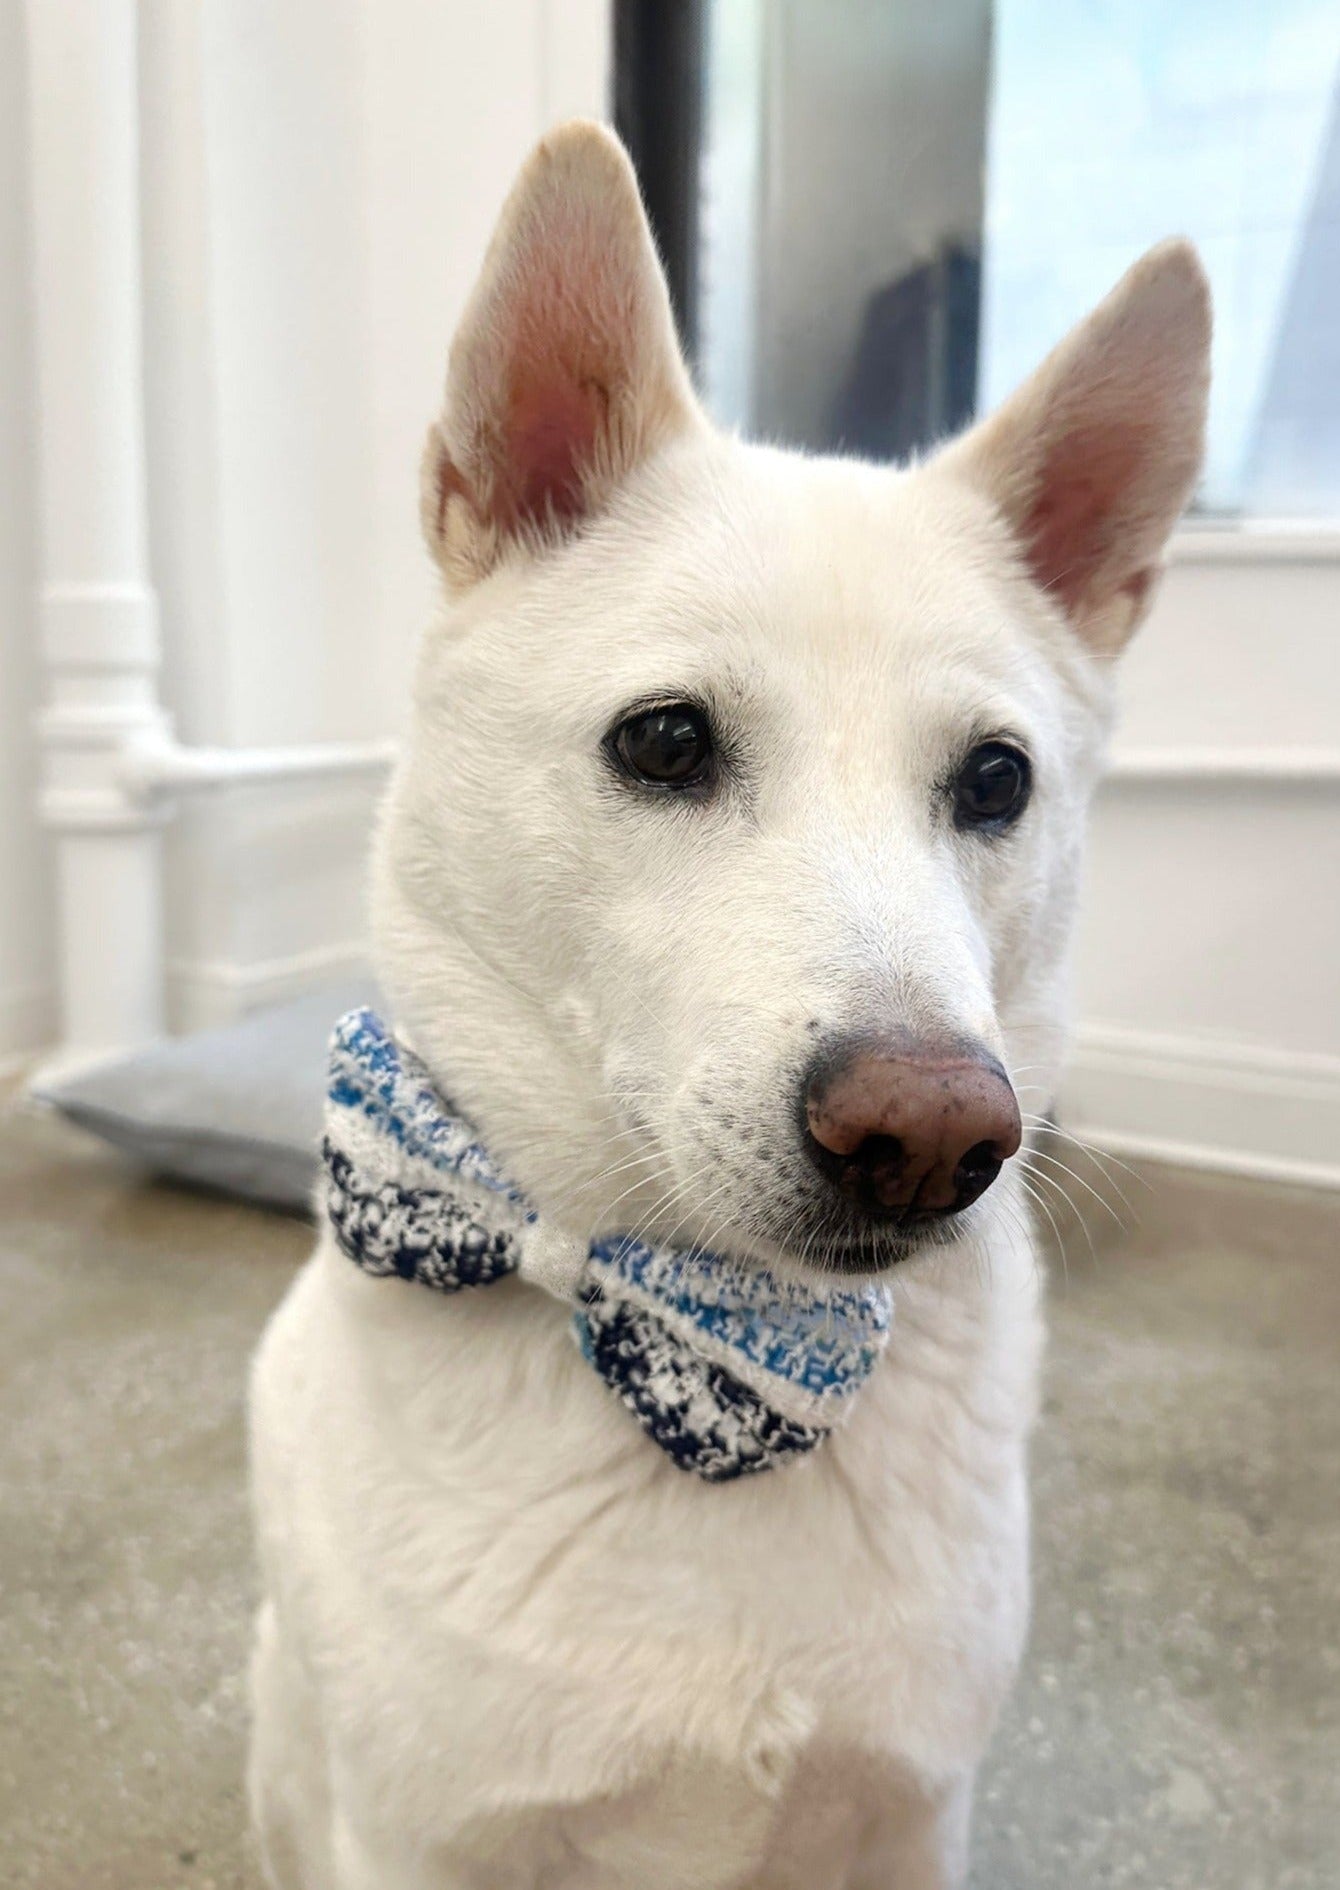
(729, 1369)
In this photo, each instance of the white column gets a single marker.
(97, 610)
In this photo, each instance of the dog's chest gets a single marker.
(494, 1568)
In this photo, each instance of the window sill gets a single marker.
(1198, 766)
(1280, 541)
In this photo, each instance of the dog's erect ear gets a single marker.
(565, 371)
(1093, 458)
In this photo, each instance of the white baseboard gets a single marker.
(202, 994)
(1272, 1114)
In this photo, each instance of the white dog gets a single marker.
(728, 871)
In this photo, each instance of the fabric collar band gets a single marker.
(728, 1368)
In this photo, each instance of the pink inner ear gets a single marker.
(551, 431)
(1073, 529)
(565, 346)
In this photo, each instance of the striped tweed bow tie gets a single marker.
(727, 1368)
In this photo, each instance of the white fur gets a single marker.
(505, 1642)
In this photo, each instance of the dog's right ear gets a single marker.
(565, 372)
(1091, 461)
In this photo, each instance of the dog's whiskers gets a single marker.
(1053, 1161)
(594, 1211)
(663, 1204)
(1044, 1182)
(1036, 1197)
(1101, 1158)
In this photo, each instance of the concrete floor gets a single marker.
(1178, 1724)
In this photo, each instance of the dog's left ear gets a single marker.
(1093, 458)
(565, 372)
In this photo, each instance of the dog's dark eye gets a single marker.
(991, 788)
(669, 748)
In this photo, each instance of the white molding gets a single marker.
(97, 609)
(1224, 766)
(1282, 541)
(1234, 1108)
(204, 993)
(1217, 1160)
(158, 766)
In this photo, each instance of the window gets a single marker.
(900, 209)
(1112, 125)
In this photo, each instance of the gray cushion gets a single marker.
(237, 1109)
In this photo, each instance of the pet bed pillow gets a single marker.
(237, 1110)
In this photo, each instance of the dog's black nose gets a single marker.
(907, 1133)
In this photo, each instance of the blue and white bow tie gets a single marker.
(728, 1368)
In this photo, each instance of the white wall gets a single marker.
(27, 1006)
(318, 203)
(1208, 995)
(318, 181)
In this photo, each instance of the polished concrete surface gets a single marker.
(1178, 1723)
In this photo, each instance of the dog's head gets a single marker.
(727, 878)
